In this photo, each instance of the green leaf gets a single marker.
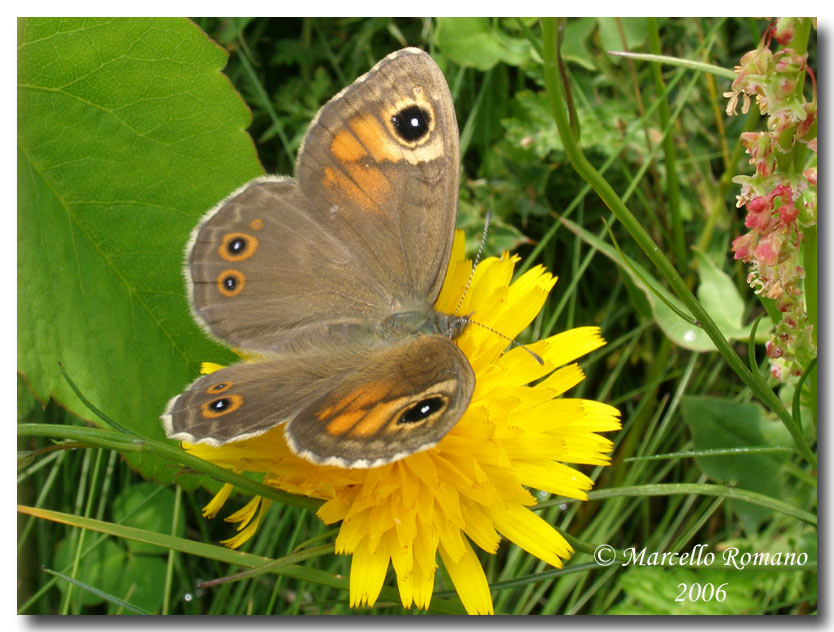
(575, 42)
(134, 507)
(141, 583)
(719, 424)
(721, 298)
(635, 30)
(475, 43)
(127, 134)
(100, 568)
(136, 579)
(603, 126)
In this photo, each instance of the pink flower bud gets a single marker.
(783, 191)
(743, 247)
(788, 213)
(758, 204)
(764, 168)
(769, 247)
(783, 30)
(757, 221)
(807, 122)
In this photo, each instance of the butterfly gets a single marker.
(331, 278)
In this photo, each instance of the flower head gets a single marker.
(471, 488)
(780, 197)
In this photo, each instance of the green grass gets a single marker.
(712, 451)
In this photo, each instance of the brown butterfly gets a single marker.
(331, 276)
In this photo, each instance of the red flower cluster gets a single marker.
(781, 196)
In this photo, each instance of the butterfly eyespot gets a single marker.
(412, 123)
(231, 282)
(220, 387)
(238, 246)
(422, 410)
(221, 406)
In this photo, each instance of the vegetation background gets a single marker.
(127, 133)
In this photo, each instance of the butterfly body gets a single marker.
(331, 277)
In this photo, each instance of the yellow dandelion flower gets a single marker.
(472, 487)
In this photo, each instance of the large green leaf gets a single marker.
(477, 43)
(720, 424)
(127, 133)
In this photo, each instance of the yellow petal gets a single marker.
(401, 555)
(405, 523)
(425, 546)
(248, 525)
(469, 580)
(245, 513)
(569, 345)
(479, 527)
(409, 485)
(422, 585)
(450, 537)
(600, 417)
(334, 509)
(521, 368)
(561, 380)
(456, 276)
(554, 477)
(448, 502)
(367, 572)
(536, 445)
(220, 498)
(531, 533)
(241, 537)
(352, 532)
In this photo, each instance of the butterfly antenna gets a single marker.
(475, 263)
(466, 319)
(514, 343)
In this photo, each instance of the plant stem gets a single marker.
(670, 160)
